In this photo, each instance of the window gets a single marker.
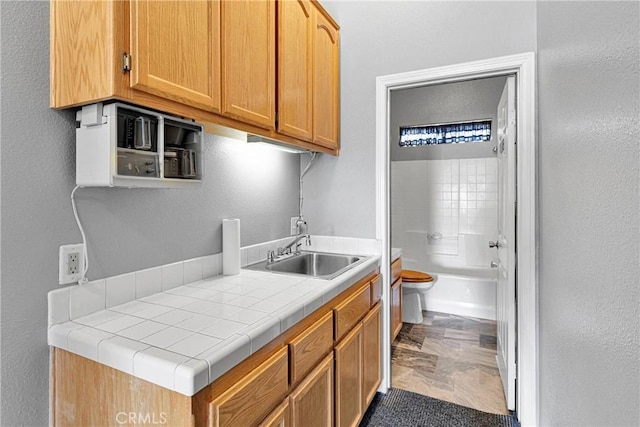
(452, 133)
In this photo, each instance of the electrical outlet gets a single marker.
(294, 229)
(71, 263)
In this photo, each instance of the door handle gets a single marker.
(494, 244)
(494, 264)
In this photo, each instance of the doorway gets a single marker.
(523, 67)
(449, 150)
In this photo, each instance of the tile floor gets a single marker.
(451, 358)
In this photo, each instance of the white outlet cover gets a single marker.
(63, 268)
(293, 230)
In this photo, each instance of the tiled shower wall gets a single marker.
(442, 209)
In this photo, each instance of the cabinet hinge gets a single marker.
(126, 62)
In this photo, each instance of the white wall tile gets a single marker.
(148, 282)
(58, 306)
(86, 299)
(172, 275)
(211, 265)
(192, 270)
(120, 289)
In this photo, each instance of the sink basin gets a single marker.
(312, 264)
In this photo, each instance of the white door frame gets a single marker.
(523, 66)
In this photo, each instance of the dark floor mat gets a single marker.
(401, 408)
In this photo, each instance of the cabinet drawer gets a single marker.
(351, 310)
(396, 270)
(376, 290)
(252, 398)
(308, 348)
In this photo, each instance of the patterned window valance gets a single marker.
(452, 133)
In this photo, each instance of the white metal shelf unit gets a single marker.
(119, 145)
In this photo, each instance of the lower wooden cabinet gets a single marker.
(331, 384)
(396, 308)
(372, 358)
(279, 417)
(312, 400)
(349, 378)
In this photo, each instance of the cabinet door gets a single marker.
(326, 82)
(254, 396)
(295, 73)
(279, 417)
(175, 51)
(371, 362)
(396, 308)
(248, 65)
(348, 399)
(312, 400)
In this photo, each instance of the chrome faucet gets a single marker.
(287, 249)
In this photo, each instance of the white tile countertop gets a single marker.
(186, 337)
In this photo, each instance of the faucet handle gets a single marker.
(271, 256)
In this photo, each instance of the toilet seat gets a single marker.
(412, 276)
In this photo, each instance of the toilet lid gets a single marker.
(415, 276)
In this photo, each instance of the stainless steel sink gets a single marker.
(312, 264)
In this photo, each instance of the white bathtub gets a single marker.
(462, 291)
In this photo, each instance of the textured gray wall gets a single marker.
(445, 103)
(589, 161)
(386, 37)
(127, 229)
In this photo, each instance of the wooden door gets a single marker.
(248, 64)
(251, 399)
(505, 245)
(279, 417)
(175, 51)
(396, 308)
(348, 399)
(295, 69)
(326, 82)
(312, 400)
(371, 355)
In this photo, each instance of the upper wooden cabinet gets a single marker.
(326, 82)
(308, 73)
(175, 51)
(248, 64)
(295, 68)
(210, 60)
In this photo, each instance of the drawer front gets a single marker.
(347, 314)
(308, 348)
(396, 270)
(250, 400)
(376, 290)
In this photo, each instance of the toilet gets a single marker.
(414, 284)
